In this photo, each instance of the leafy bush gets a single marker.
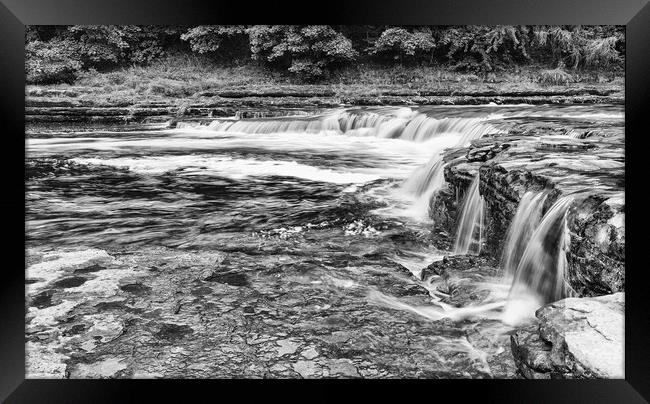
(306, 51)
(102, 45)
(400, 44)
(149, 43)
(578, 46)
(601, 52)
(483, 48)
(51, 62)
(213, 38)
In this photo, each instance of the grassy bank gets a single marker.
(188, 76)
(191, 87)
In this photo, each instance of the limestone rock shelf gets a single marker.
(575, 338)
(590, 170)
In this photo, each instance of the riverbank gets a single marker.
(162, 93)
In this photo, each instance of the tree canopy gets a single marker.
(311, 52)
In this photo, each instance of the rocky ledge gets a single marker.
(89, 105)
(589, 170)
(575, 338)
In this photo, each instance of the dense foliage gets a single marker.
(402, 44)
(58, 53)
(218, 40)
(50, 62)
(308, 51)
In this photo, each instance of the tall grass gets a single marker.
(555, 76)
(187, 76)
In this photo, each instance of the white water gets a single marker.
(540, 276)
(393, 132)
(469, 237)
(526, 219)
(240, 168)
(347, 147)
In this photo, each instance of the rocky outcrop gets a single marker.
(576, 338)
(590, 170)
(80, 104)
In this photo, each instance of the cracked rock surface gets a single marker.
(575, 338)
(155, 313)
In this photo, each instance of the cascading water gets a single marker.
(276, 125)
(400, 123)
(428, 179)
(526, 219)
(389, 123)
(535, 252)
(469, 237)
(540, 276)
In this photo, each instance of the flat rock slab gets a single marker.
(307, 315)
(576, 338)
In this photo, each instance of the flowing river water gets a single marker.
(270, 247)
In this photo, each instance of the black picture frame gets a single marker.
(15, 14)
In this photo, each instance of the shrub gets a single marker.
(578, 46)
(483, 48)
(400, 44)
(102, 45)
(213, 38)
(51, 62)
(307, 51)
(601, 52)
(150, 43)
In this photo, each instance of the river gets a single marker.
(271, 247)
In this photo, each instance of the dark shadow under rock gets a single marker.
(136, 288)
(42, 299)
(201, 291)
(89, 269)
(230, 278)
(172, 332)
(70, 282)
(74, 330)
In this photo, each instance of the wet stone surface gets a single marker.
(306, 315)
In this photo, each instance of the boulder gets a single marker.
(575, 338)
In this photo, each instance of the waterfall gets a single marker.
(526, 219)
(429, 176)
(391, 123)
(469, 236)
(540, 276)
(255, 126)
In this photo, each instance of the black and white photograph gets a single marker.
(325, 201)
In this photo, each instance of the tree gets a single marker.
(102, 45)
(306, 51)
(226, 41)
(401, 44)
(578, 46)
(484, 48)
(50, 62)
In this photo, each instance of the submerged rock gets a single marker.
(575, 338)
